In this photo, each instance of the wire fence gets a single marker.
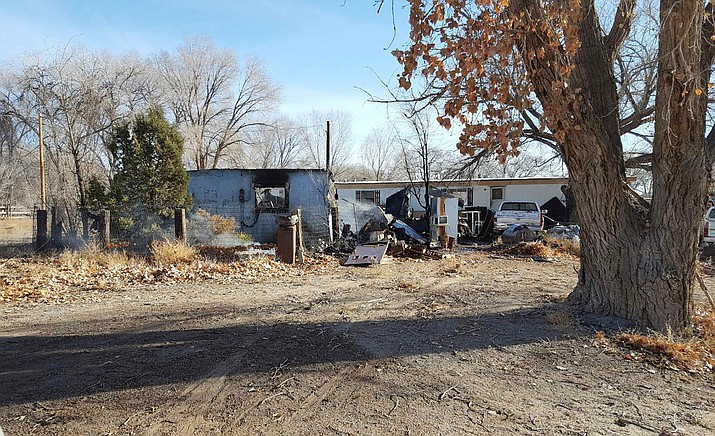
(223, 227)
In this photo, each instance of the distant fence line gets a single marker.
(15, 212)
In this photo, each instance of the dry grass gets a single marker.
(530, 249)
(550, 247)
(219, 224)
(568, 246)
(695, 352)
(172, 252)
(16, 229)
(51, 278)
(94, 255)
(68, 276)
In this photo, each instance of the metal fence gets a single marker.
(228, 227)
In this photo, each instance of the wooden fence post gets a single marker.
(300, 248)
(105, 228)
(180, 224)
(55, 230)
(41, 236)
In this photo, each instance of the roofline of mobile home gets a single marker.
(453, 182)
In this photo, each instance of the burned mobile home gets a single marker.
(255, 197)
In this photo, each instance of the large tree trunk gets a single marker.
(637, 262)
(631, 269)
(642, 266)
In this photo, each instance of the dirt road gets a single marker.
(477, 346)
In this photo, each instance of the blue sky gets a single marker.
(320, 51)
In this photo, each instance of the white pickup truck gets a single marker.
(519, 212)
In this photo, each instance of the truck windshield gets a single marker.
(523, 206)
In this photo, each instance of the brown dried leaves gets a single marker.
(70, 276)
(485, 55)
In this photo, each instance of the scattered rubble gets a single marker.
(387, 234)
(571, 232)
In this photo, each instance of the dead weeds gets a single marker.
(172, 252)
(540, 250)
(68, 276)
(694, 352)
(560, 245)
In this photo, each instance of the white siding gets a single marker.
(538, 193)
(481, 196)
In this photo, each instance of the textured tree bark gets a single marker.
(637, 263)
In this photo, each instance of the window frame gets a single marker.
(259, 189)
(496, 189)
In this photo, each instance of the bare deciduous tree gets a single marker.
(277, 145)
(79, 94)
(16, 175)
(380, 153)
(340, 140)
(422, 159)
(213, 98)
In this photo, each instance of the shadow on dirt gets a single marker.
(42, 368)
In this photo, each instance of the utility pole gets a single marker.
(327, 150)
(41, 239)
(43, 199)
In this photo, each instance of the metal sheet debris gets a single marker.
(368, 254)
(409, 231)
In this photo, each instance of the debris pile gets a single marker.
(397, 236)
(230, 254)
(516, 233)
(415, 251)
(572, 232)
(565, 239)
(528, 249)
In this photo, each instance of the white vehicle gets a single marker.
(709, 226)
(519, 212)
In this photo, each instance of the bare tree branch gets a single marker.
(621, 27)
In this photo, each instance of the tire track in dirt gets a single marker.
(315, 397)
(305, 399)
(185, 415)
(299, 411)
